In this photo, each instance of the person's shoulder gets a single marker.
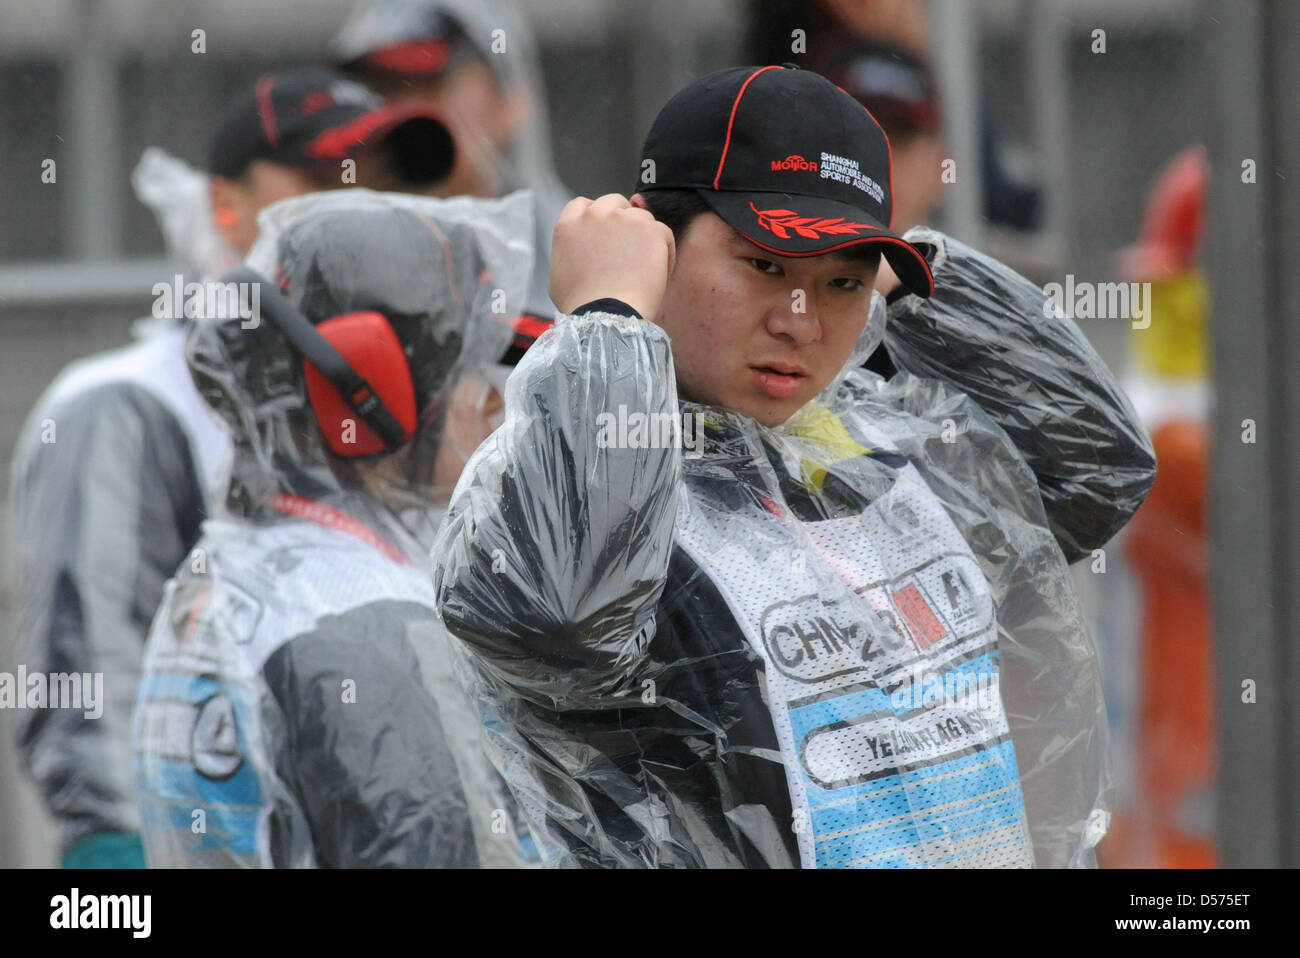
(132, 380)
(290, 576)
(119, 368)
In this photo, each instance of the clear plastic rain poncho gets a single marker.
(298, 705)
(848, 641)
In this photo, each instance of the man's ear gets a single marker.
(639, 202)
(222, 195)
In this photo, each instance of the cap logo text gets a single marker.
(794, 162)
(844, 170)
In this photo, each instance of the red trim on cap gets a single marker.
(421, 57)
(778, 221)
(315, 101)
(894, 240)
(816, 252)
(265, 111)
(337, 142)
(889, 151)
(726, 145)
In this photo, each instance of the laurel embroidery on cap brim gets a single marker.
(779, 222)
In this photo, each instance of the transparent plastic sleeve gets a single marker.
(1001, 340)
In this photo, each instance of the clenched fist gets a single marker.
(607, 248)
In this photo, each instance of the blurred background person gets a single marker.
(120, 461)
(901, 22)
(475, 63)
(295, 133)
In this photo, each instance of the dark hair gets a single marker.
(677, 209)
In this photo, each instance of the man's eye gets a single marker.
(848, 283)
(765, 266)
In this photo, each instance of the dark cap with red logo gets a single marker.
(313, 119)
(787, 159)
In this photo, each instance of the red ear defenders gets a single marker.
(342, 357)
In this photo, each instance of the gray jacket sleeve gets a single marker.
(107, 503)
(556, 546)
(994, 335)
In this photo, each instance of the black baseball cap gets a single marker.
(313, 118)
(788, 160)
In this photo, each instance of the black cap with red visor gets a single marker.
(787, 159)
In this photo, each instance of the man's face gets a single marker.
(757, 333)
